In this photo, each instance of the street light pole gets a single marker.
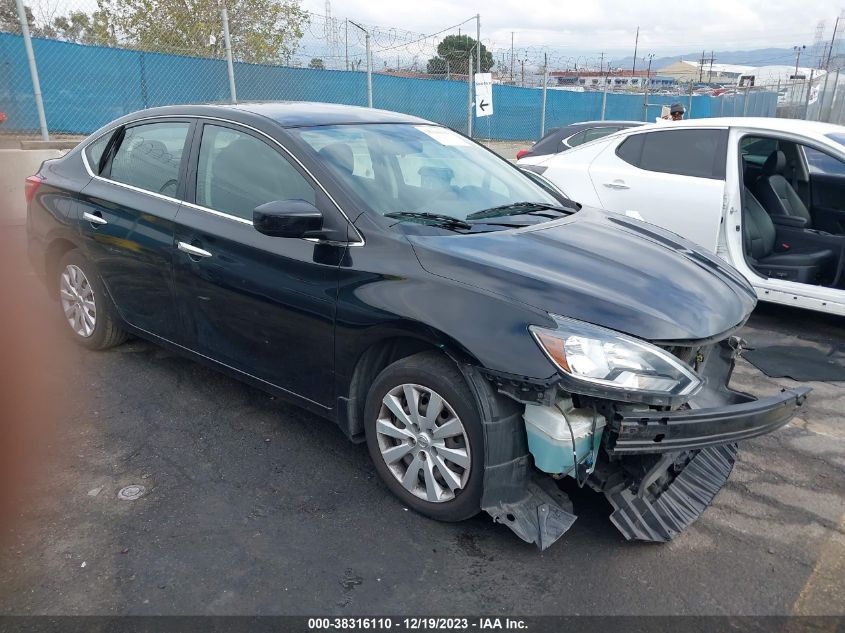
(797, 50)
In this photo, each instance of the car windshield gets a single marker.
(404, 170)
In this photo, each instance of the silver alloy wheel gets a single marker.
(77, 299)
(423, 442)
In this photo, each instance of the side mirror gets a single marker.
(288, 218)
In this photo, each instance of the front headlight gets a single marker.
(605, 363)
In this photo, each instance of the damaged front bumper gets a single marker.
(640, 432)
(658, 468)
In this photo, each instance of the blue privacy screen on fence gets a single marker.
(106, 83)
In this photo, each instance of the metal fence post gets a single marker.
(689, 109)
(604, 97)
(745, 101)
(833, 98)
(469, 97)
(369, 71)
(543, 106)
(369, 63)
(33, 71)
(823, 98)
(809, 91)
(230, 67)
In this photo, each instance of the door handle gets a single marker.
(616, 184)
(192, 250)
(94, 219)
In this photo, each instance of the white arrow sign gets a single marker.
(483, 94)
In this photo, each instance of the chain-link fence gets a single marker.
(97, 62)
(820, 97)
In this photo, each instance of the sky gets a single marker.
(590, 27)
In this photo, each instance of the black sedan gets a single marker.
(393, 276)
(560, 139)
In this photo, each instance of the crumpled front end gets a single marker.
(660, 466)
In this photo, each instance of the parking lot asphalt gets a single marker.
(253, 506)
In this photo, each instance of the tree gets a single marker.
(317, 63)
(261, 31)
(83, 28)
(456, 50)
(9, 21)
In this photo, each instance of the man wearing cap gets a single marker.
(676, 113)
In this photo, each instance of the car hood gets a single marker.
(606, 269)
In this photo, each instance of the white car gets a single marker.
(767, 195)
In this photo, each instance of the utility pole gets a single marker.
(511, 57)
(832, 44)
(601, 63)
(636, 44)
(448, 74)
(701, 67)
(346, 35)
(478, 40)
(522, 63)
(797, 50)
(710, 76)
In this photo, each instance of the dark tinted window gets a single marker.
(149, 157)
(698, 153)
(550, 143)
(94, 152)
(631, 149)
(238, 172)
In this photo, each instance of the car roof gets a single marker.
(304, 113)
(285, 113)
(605, 122)
(772, 124)
(590, 124)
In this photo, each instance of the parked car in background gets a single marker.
(561, 139)
(461, 318)
(767, 195)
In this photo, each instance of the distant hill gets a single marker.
(758, 57)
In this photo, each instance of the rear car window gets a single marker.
(238, 172)
(149, 157)
(598, 132)
(697, 153)
(94, 152)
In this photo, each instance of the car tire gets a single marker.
(439, 487)
(86, 308)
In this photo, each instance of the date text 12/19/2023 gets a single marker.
(417, 624)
